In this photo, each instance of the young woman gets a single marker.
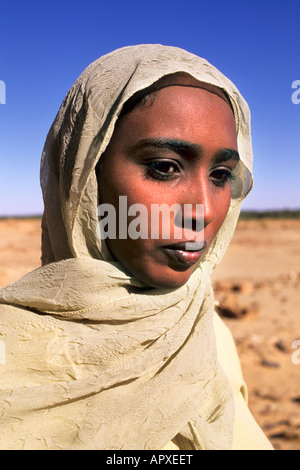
(113, 343)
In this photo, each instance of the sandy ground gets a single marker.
(257, 287)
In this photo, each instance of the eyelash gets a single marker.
(226, 177)
(154, 170)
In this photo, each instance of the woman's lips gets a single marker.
(186, 253)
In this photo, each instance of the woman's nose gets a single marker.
(206, 197)
(199, 210)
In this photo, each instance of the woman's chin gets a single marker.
(165, 278)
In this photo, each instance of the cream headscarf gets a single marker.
(94, 359)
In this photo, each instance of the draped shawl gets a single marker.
(95, 359)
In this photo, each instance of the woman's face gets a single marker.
(180, 149)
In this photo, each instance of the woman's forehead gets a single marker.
(180, 79)
(184, 79)
(185, 113)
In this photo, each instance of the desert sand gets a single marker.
(257, 290)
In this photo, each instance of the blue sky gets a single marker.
(45, 45)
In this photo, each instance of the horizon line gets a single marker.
(243, 211)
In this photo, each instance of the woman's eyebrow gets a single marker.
(226, 154)
(188, 149)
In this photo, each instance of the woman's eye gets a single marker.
(220, 177)
(161, 170)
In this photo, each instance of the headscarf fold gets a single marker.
(95, 359)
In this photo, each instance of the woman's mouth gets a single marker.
(186, 253)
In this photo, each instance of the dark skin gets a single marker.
(180, 149)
